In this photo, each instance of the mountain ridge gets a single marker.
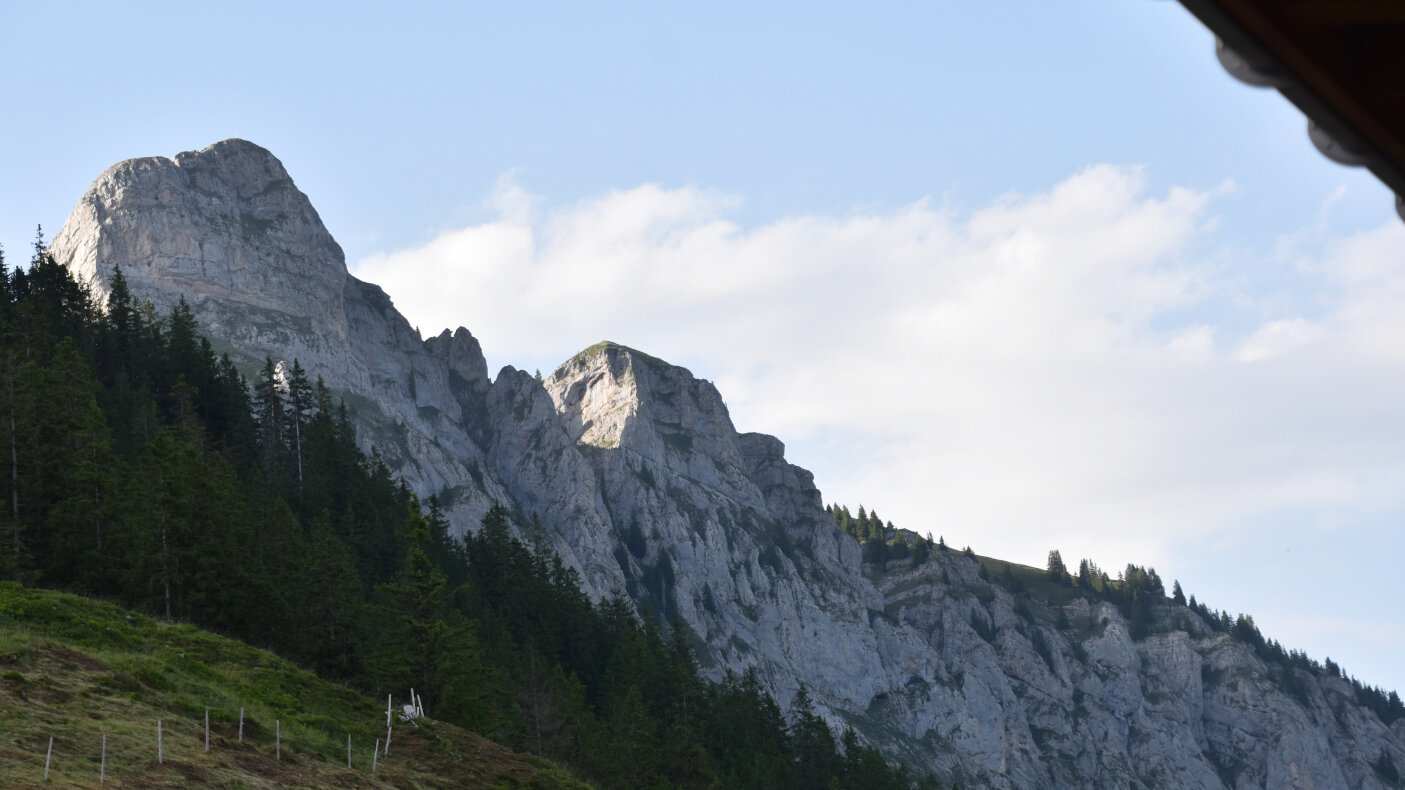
(644, 486)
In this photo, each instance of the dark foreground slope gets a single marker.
(76, 670)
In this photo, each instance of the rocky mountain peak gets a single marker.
(597, 393)
(607, 382)
(226, 229)
(461, 354)
(238, 166)
(223, 224)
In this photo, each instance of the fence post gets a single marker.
(278, 738)
(241, 725)
(207, 730)
(48, 757)
(102, 771)
(374, 754)
(348, 750)
(160, 753)
(387, 741)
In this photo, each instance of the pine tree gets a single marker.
(121, 313)
(80, 514)
(7, 296)
(331, 612)
(300, 404)
(270, 416)
(812, 745)
(685, 752)
(18, 372)
(433, 648)
(921, 551)
(633, 759)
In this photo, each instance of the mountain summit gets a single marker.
(226, 229)
(639, 480)
(223, 225)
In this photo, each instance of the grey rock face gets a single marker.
(640, 481)
(716, 528)
(1185, 707)
(226, 229)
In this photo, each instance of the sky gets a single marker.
(1024, 275)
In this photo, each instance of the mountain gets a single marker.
(641, 482)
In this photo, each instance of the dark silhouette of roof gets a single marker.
(1342, 62)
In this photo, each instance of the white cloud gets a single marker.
(1276, 337)
(1029, 375)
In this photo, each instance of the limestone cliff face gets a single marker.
(1186, 707)
(226, 229)
(642, 483)
(716, 528)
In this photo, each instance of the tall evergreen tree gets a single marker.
(812, 745)
(300, 405)
(332, 608)
(271, 417)
(433, 649)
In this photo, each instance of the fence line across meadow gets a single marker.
(53, 752)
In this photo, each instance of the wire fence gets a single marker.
(96, 757)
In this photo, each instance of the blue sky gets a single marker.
(1029, 275)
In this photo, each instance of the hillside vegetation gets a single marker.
(77, 670)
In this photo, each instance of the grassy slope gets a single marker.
(76, 669)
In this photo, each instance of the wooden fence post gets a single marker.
(48, 757)
(278, 738)
(241, 725)
(102, 771)
(374, 754)
(348, 750)
(160, 752)
(207, 730)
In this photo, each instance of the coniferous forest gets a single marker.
(142, 468)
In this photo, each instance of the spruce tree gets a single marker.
(432, 648)
(812, 745)
(300, 405)
(270, 415)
